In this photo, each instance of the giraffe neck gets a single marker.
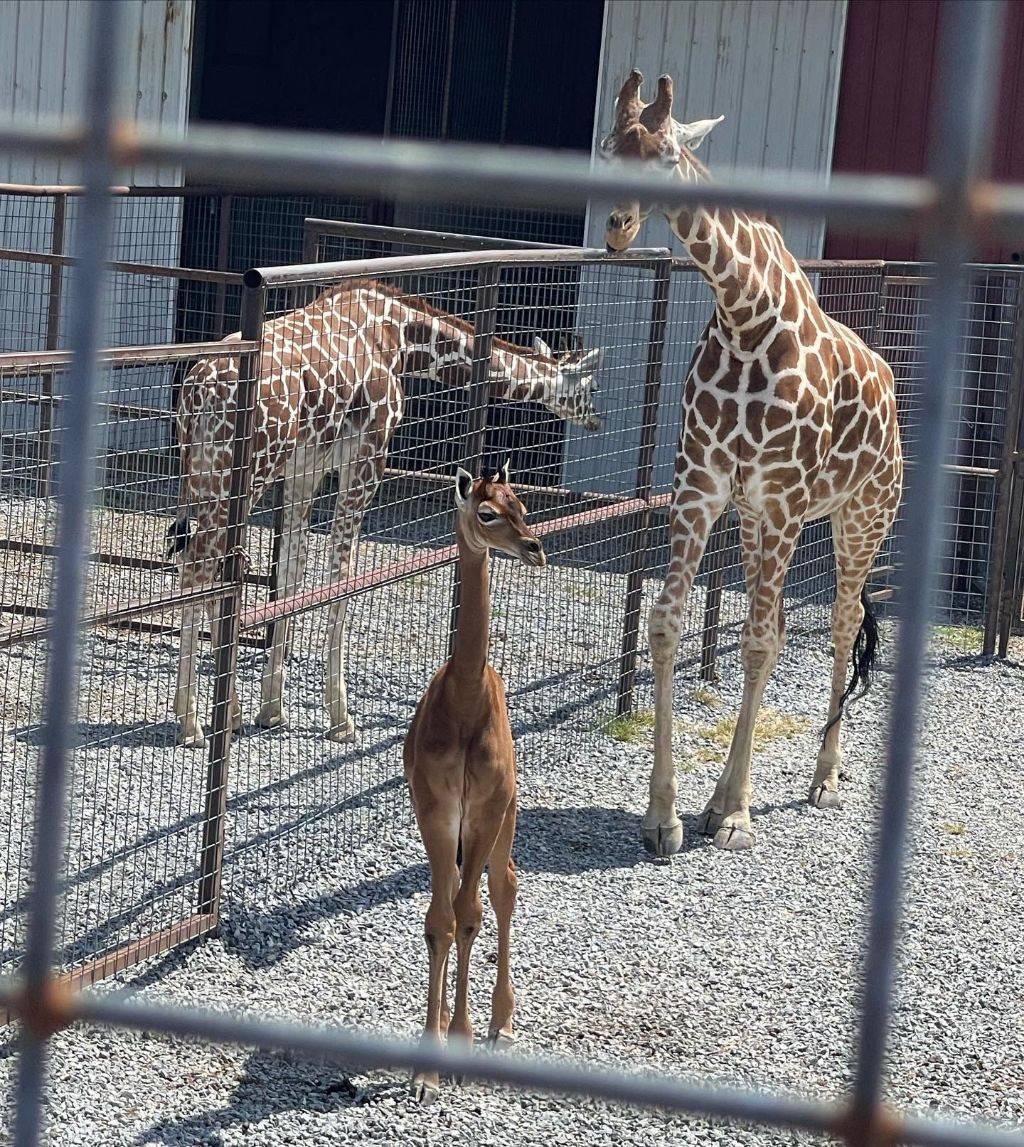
(472, 635)
(441, 348)
(742, 258)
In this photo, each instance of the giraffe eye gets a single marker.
(488, 517)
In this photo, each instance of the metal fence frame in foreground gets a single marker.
(947, 208)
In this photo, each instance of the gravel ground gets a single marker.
(737, 968)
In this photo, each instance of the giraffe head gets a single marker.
(571, 382)
(647, 135)
(491, 517)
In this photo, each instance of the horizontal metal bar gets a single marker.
(452, 240)
(445, 260)
(121, 409)
(116, 617)
(680, 263)
(30, 360)
(158, 270)
(128, 955)
(261, 158)
(431, 560)
(560, 1077)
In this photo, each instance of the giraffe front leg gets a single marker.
(363, 455)
(726, 816)
(196, 573)
(341, 727)
(305, 472)
(689, 529)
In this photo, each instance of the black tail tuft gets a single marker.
(458, 853)
(865, 653)
(179, 534)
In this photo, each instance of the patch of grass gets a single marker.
(967, 638)
(771, 726)
(631, 729)
(954, 828)
(707, 697)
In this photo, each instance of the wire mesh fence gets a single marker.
(347, 587)
(614, 482)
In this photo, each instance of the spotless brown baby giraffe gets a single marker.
(461, 768)
(787, 414)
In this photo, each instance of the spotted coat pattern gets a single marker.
(330, 396)
(788, 415)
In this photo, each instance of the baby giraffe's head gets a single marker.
(491, 517)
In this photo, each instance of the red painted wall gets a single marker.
(885, 96)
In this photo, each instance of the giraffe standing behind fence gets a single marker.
(461, 768)
(788, 415)
(330, 396)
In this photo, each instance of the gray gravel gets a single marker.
(735, 968)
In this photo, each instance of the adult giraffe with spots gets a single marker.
(787, 414)
(330, 396)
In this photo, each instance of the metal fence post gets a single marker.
(641, 521)
(58, 242)
(479, 398)
(226, 631)
(223, 258)
(1005, 525)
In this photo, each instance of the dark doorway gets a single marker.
(518, 72)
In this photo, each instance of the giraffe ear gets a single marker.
(692, 135)
(463, 487)
(503, 474)
(542, 348)
(592, 359)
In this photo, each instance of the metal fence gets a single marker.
(946, 209)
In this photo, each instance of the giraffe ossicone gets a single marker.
(788, 415)
(330, 395)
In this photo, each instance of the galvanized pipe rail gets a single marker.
(951, 207)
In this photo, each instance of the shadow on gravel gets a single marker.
(270, 1084)
(561, 842)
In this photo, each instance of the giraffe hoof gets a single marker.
(501, 1039)
(192, 739)
(271, 717)
(731, 838)
(423, 1091)
(344, 732)
(822, 797)
(709, 822)
(663, 839)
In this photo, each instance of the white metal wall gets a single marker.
(42, 67)
(43, 47)
(771, 67)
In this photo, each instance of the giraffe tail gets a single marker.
(179, 534)
(865, 654)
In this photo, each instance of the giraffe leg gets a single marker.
(502, 886)
(439, 829)
(198, 570)
(360, 473)
(727, 814)
(689, 528)
(856, 545)
(303, 476)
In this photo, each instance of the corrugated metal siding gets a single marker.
(42, 69)
(43, 46)
(885, 102)
(771, 67)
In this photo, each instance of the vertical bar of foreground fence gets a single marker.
(226, 631)
(98, 170)
(58, 236)
(639, 524)
(960, 135)
(487, 283)
(223, 258)
(1006, 521)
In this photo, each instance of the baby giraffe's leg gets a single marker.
(439, 827)
(502, 885)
